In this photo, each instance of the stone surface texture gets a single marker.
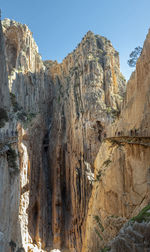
(135, 237)
(122, 164)
(4, 91)
(60, 182)
(86, 84)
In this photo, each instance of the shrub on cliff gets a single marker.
(144, 215)
(12, 158)
(134, 55)
(3, 117)
(12, 244)
(14, 102)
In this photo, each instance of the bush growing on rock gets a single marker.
(134, 55)
(3, 117)
(12, 158)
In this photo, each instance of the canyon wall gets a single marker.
(56, 123)
(21, 139)
(122, 166)
(70, 164)
(87, 84)
(4, 91)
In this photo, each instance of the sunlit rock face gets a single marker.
(58, 113)
(87, 84)
(4, 91)
(134, 118)
(21, 142)
(135, 237)
(122, 172)
(69, 181)
(27, 77)
(62, 187)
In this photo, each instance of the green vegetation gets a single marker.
(21, 115)
(58, 99)
(12, 158)
(134, 55)
(116, 143)
(114, 216)
(12, 244)
(28, 119)
(3, 117)
(107, 162)
(98, 221)
(114, 113)
(20, 250)
(98, 234)
(98, 176)
(105, 249)
(100, 227)
(14, 102)
(20, 69)
(122, 77)
(144, 215)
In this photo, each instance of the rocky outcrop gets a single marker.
(58, 116)
(134, 118)
(29, 91)
(4, 91)
(73, 170)
(135, 235)
(121, 185)
(86, 85)
(121, 189)
(27, 78)
(132, 238)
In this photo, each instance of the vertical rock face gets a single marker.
(25, 67)
(60, 112)
(134, 118)
(4, 91)
(61, 187)
(21, 141)
(121, 189)
(122, 168)
(86, 85)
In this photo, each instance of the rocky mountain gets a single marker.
(71, 155)
(122, 164)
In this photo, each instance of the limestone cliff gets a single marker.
(4, 91)
(21, 137)
(135, 235)
(86, 85)
(67, 172)
(121, 188)
(56, 123)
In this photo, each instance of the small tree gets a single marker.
(134, 55)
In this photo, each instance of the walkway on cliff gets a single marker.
(138, 140)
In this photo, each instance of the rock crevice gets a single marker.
(58, 117)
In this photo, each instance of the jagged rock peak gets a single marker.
(21, 48)
(69, 105)
(95, 44)
(9, 23)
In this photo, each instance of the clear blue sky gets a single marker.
(59, 25)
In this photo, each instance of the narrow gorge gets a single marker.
(74, 147)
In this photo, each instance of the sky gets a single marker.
(59, 25)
